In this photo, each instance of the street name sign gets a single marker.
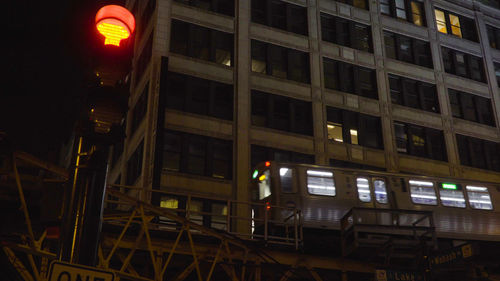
(61, 271)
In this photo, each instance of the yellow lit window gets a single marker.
(258, 66)
(418, 141)
(416, 10)
(455, 25)
(359, 4)
(354, 136)
(335, 132)
(440, 21)
(169, 203)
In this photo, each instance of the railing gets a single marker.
(252, 221)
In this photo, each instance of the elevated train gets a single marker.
(462, 209)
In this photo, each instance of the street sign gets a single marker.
(61, 271)
(452, 256)
(397, 275)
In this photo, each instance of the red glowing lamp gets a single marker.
(115, 23)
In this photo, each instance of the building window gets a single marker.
(471, 107)
(463, 65)
(225, 7)
(362, 4)
(198, 155)
(134, 164)
(493, 36)
(281, 113)
(420, 141)
(407, 10)
(280, 62)
(497, 72)
(449, 23)
(320, 183)
(413, 93)
(199, 96)
(341, 76)
(478, 153)
(261, 153)
(202, 43)
(140, 108)
(144, 58)
(279, 14)
(346, 33)
(407, 49)
(354, 128)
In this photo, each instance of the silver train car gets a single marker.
(462, 209)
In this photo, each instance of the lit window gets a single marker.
(364, 193)
(335, 132)
(286, 176)
(440, 21)
(264, 185)
(170, 203)
(320, 182)
(380, 191)
(422, 192)
(354, 136)
(417, 13)
(455, 25)
(451, 195)
(479, 198)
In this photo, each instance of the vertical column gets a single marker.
(384, 97)
(242, 104)
(442, 92)
(488, 66)
(318, 108)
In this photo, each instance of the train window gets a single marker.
(479, 198)
(286, 175)
(264, 185)
(451, 195)
(364, 193)
(320, 183)
(380, 191)
(422, 192)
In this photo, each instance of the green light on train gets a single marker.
(449, 186)
(255, 173)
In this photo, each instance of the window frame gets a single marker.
(267, 16)
(450, 58)
(337, 27)
(463, 25)
(416, 57)
(408, 11)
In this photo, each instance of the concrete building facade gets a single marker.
(397, 85)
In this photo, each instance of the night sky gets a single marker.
(50, 53)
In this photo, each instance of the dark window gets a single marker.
(407, 49)
(471, 107)
(350, 78)
(420, 141)
(497, 72)
(225, 7)
(493, 36)
(340, 31)
(140, 109)
(450, 23)
(281, 113)
(280, 62)
(199, 96)
(479, 153)
(279, 14)
(407, 10)
(261, 153)
(134, 164)
(144, 19)
(144, 58)
(199, 155)
(462, 64)
(362, 4)
(354, 128)
(202, 43)
(413, 93)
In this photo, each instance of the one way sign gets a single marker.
(60, 271)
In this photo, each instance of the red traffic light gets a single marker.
(115, 23)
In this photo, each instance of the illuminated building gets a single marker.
(398, 85)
